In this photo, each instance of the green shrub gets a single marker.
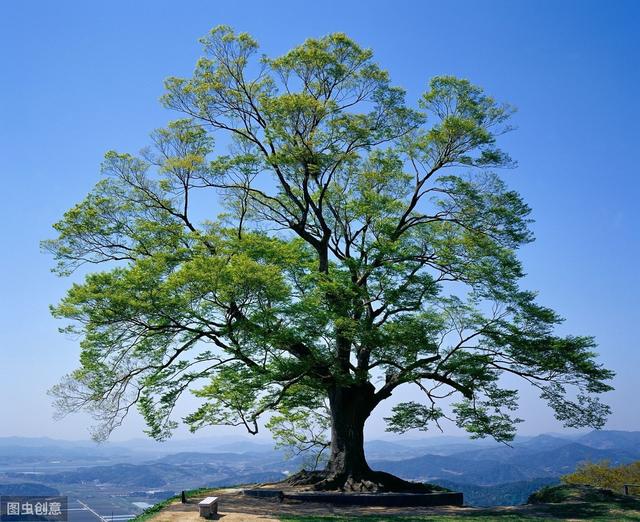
(602, 475)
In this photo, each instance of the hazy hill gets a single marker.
(509, 494)
(500, 465)
(235, 459)
(27, 488)
(430, 468)
(619, 440)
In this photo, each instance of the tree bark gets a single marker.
(350, 408)
(347, 469)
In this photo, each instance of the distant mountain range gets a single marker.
(487, 473)
(499, 474)
(500, 465)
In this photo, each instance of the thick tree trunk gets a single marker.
(350, 408)
(347, 469)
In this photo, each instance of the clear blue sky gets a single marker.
(79, 78)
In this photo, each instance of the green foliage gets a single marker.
(603, 475)
(302, 431)
(358, 240)
(412, 415)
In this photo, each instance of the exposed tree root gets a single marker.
(305, 478)
(366, 482)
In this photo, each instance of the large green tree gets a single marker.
(361, 244)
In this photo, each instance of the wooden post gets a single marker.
(628, 486)
(183, 498)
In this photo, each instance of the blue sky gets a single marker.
(79, 78)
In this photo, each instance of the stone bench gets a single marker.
(208, 507)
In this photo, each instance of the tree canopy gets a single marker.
(333, 243)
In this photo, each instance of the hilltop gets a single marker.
(554, 503)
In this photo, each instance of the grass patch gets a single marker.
(578, 493)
